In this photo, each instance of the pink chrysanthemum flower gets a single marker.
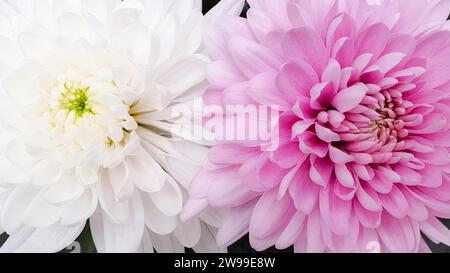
(363, 161)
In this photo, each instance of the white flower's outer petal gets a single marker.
(119, 212)
(14, 208)
(189, 37)
(40, 213)
(207, 243)
(112, 237)
(99, 8)
(136, 40)
(121, 181)
(166, 243)
(189, 233)
(35, 45)
(74, 27)
(46, 173)
(147, 245)
(20, 91)
(169, 200)
(155, 220)
(147, 174)
(51, 239)
(81, 209)
(224, 8)
(213, 217)
(67, 189)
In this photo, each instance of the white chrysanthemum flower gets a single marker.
(86, 97)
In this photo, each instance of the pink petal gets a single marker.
(326, 134)
(341, 244)
(368, 198)
(236, 224)
(399, 235)
(341, 26)
(320, 170)
(395, 203)
(344, 51)
(311, 144)
(296, 80)
(305, 44)
(231, 154)
(252, 58)
(409, 177)
(263, 90)
(373, 40)
(226, 189)
(389, 61)
(367, 218)
(436, 231)
(292, 231)
(344, 176)
(338, 156)
(263, 224)
(335, 211)
(303, 191)
(314, 241)
(321, 95)
(349, 98)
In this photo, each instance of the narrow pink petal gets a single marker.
(349, 98)
(344, 176)
(236, 224)
(320, 170)
(368, 198)
(395, 203)
(338, 156)
(326, 134)
(335, 211)
(281, 212)
(303, 191)
(399, 235)
(367, 218)
(292, 231)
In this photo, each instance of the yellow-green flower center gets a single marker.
(76, 100)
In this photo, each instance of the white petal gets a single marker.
(46, 172)
(155, 220)
(207, 243)
(169, 200)
(87, 176)
(110, 237)
(188, 233)
(81, 209)
(40, 213)
(43, 240)
(147, 174)
(147, 245)
(15, 206)
(74, 27)
(66, 189)
(182, 74)
(166, 243)
(35, 45)
(119, 212)
(121, 182)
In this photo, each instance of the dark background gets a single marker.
(243, 245)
